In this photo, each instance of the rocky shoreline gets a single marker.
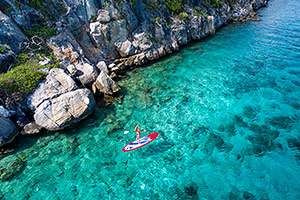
(95, 44)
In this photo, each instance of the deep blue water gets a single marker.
(226, 108)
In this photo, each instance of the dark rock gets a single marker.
(8, 131)
(129, 16)
(6, 113)
(109, 28)
(22, 121)
(10, 37)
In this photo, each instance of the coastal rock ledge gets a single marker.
(94, 42)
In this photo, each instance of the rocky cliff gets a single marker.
(95, 41)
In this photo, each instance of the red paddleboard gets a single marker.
(143, 141)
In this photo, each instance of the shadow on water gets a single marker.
(158, 148)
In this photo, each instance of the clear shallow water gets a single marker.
(226, 108)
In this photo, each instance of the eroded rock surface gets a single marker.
(57, 82)
(58, 103)
(68, 108)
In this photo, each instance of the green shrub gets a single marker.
(61, 7)
(149, 36)
(174, 5)
(221, 3)
(206, 5)
(8, 10)
(35, 4)
(25, 74)
(197, 9)
(183, 16)
(44, 7)
(106, 5)
(203, 14)
(231, 3)
(169, 25)
(41, 31)
(217, 3)
(156, 20)
(2, 50)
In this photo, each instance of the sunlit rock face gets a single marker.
(58, 113)
(58, 103)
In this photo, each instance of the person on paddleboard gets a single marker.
(137, 132)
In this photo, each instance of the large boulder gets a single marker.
(8, 131)
(57, 83)
(67, 109)
(65, 46)
(84, 10)
(105, 84)
(86, 73)
(142, 41)
(58, 103)
(195, 27)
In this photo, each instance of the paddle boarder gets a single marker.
(137, 132)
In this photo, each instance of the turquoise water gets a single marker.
(226, 108)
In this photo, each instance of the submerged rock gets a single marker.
(58, 113)
(8, 131)
(13, 169)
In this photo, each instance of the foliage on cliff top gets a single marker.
(41, 31)
(183, 16)
(174, 5)
(25, 74)
(217, 3)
